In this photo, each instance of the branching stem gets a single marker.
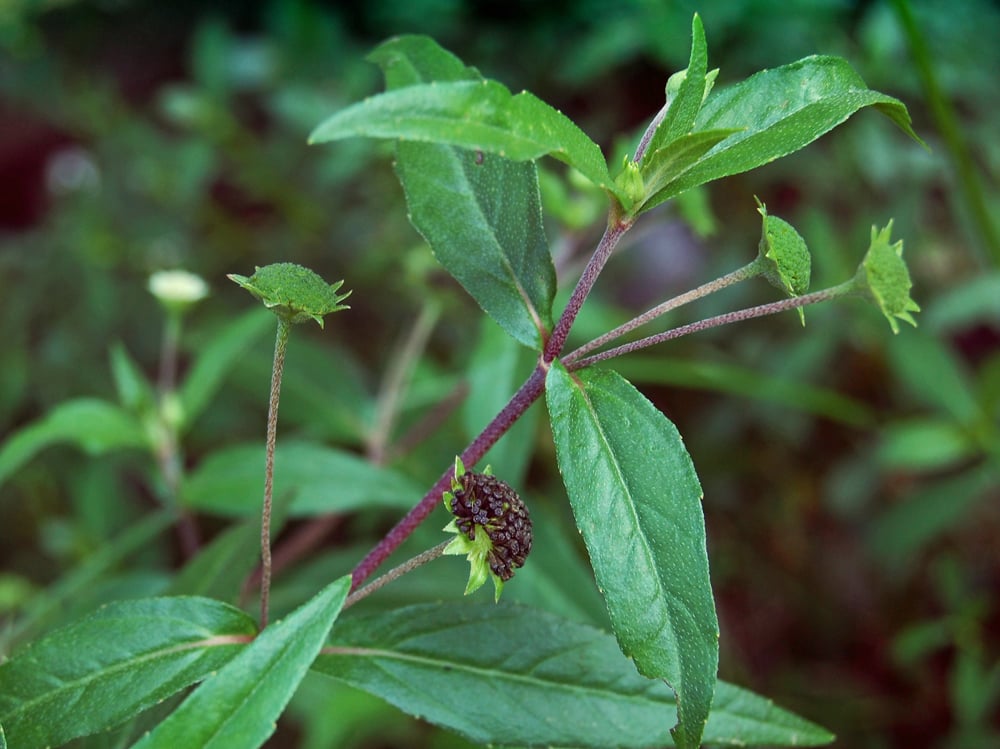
(747, 271)
(714, 322)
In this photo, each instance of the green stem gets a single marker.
(713, 322)
(951, 130)
(280, 345)
(749, 270)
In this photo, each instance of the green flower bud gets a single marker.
(630, 181)
(885, 280)
(492, 524)
(295, 294)
(784, 255)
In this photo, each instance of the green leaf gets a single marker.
(664, 166)
(485, 227)
(92, 425)
(637, 503)
(511, 675)
(135, 392)
(323, 480)
(779, 111)
(3, 738)
(685, 105)
(476, 115)
(64, 594)
(218, 569)
(120, 660)
(218, 357)
(238, 707)
(482, 217)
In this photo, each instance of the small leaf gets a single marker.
(665, 166)
(295, 294)
(637, 503)
(135, 392)
(323, 480)
(885, 280)
(92, 425)
(690, 94)
(779, 111)
(479, 115)
(784, 255)
(514, 676)
(237, 708)
(94, 674)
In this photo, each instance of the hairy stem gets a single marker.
(714, 322)
(747, 271)
(280, 345)
(617, 226)
(396, 572)
(527, 394)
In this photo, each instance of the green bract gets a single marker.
(294, 293)
(784, 255)
(883, 278)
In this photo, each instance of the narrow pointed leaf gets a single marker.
(218, 569)
(512, 675)
(684, 108)
(637, 503)
(485, 226)
(665, 166)
(778, 112)
(94, 674)
(237, 707)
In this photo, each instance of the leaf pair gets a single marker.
(95, 674)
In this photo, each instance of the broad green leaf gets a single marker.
(486, 226)
(218, 569)
(92, 425)
(94, 674)
(931, 373)
(237, 708)
(323, 480)
(685, 105)
(482, 217)
(60, 596)
(218, 357)
(637, 503)
(476, 115)
(925, 444)
(511, 675)
(779, 111)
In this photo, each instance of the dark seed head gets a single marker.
(486, 503)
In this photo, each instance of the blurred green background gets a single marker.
(851, 477)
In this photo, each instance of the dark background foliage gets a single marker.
(851, 498)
